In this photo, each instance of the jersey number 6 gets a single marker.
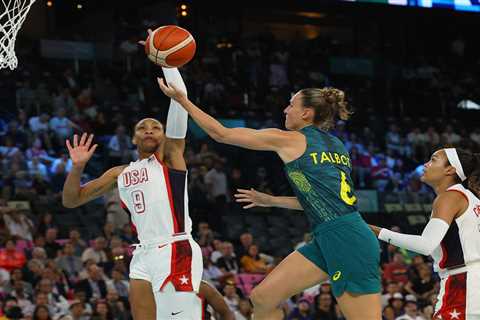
(345, 189)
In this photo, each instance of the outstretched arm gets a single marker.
(74, 194)
(177, 123)
(266, 139)
(260, 199)
(445, 208)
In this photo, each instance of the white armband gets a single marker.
(177, 119)
(431, 237)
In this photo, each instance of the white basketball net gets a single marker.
(12, 15)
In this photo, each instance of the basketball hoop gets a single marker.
(12, 15)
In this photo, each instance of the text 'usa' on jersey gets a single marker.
(321, 177)
(156, 199)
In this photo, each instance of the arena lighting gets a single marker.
(79, 6)
(184, 13)
(183, 7)
(49, 3)
(311, 15)
(468, 105)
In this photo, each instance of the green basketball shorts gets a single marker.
(348, 251)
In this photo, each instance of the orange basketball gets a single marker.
(170, 46)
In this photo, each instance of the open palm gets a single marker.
(253, 197)
(81, 151)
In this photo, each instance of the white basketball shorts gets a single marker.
(179, 305)
(459, 296)
(179, 263)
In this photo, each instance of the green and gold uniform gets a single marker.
(343, 245)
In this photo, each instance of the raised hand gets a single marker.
(256, 199)
(81, 151)
(142, 42)
(171, 90)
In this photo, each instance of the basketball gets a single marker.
(170, 46)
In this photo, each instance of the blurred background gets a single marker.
(409, 69)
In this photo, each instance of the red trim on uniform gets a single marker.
(132, 225)
(172, 267)
(461, 192)
(170, 199)
(169, 191)
(181, 267)
(203, 306)
(454, 300)
(442, 262)
(134, 228)
(173, 263)
(446, 294)
(158, 159)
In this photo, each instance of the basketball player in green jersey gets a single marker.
(318, 167)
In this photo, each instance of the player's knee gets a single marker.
(259, 299)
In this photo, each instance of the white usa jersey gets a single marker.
(156, 199)
(461, 244)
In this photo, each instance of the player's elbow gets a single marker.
(68, 202)
(220, 135)
(426, 249)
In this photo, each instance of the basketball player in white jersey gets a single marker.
(166, 267)
(452, 236)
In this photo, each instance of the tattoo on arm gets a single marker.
(95, 191)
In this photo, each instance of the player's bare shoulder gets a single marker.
(294, 146)
(114, 172)
(105, 183)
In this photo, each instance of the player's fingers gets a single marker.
(75, 141)
(243, 200)
(244, 191)
(69, 146)
(92, 149)
(249, 206)
(83, 139)
(238, 195)
(161, 83)
(89, 141)
(166, 90)
(141, 42)
(243, 197)
(174, 87)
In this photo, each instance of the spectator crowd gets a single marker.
(50, 270)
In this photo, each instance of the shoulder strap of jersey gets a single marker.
(458, 187)
(462, 190)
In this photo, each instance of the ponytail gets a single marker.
(473, 180)
(329, 105)
(471, 167)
